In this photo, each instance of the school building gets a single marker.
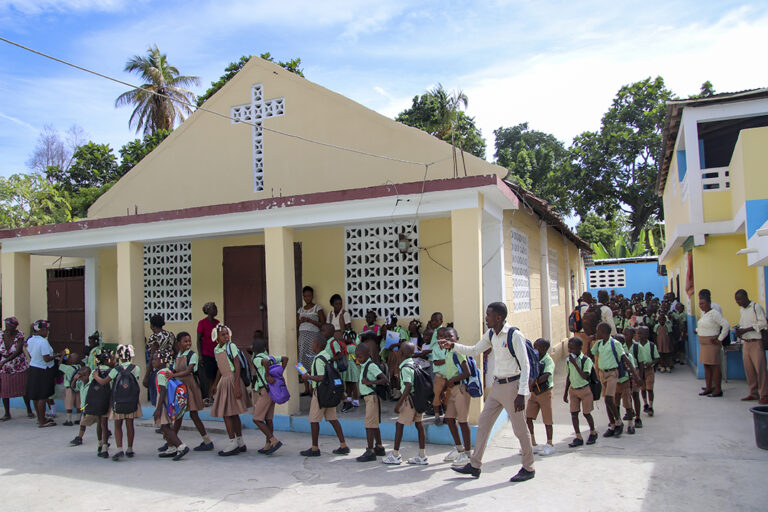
(626, 276)
(714, 184)
(301, 186)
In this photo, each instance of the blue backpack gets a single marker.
(532, 353)
(473, 382)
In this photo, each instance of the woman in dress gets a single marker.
(309, 318)
(711, 329)
(41, 378)
(13, 367)
(160, 339)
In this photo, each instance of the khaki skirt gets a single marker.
(709, 350)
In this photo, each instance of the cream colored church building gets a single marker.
(295, 185)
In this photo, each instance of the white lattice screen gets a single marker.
(378, 275)
(521, 284)
(554, 285)
(607, 278)
(168, 281)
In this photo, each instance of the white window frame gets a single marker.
(607, 278)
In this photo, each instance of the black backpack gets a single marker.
(125, 391)
(330, 391)
(421, 392)
(245, 368)
(381, 390)
(98, 396)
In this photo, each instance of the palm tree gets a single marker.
(448, 106)
(161, 100)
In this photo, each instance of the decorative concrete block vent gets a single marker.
(521, 274)
(379, 275)
(168, 281)
(607, 278)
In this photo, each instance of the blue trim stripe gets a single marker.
(757, 215)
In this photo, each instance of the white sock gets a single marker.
(396, 452)
(171, 449)
(349, 399)
(356, 403)
(459, 448)
(182, 446)
(232, 444)
(206, 439)
(423, 453)
(239, 441)
(69, 416)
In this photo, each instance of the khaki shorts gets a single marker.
(609, 379)
(263, 406)
(89, 419)
(371, 411)
(316, 413)
(543, 402)
(71, 399)
(650, 379)
(408, 415)
(624, 393)
(457, 406)
(581, 399)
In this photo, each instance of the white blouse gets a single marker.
(338, 322)
(712, 323)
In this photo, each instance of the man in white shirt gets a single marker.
(510, 386)
(751, 322)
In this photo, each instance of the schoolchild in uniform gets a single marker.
(541, 397)
(263, 405)
(370, 375)
(578, 392)
(186, 370)
(104, 363)
(629, 346)
(624, 390)
(80, 388)
(69, 366)
(162, 360)
(457, 404)
(647, 358)
(230, 396)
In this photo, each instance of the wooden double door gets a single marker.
(66, 308)
(245, 290)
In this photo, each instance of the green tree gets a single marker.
(162, 99)
(134, 151)
(438, 112)
(707, 90)
(595, 229)
(615, 168)
(536, 161)
(31, 200)
(293, 65)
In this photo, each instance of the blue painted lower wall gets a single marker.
(640, 277)
(734, 360)
(352, 428)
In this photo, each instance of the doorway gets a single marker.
(66, 308)
(245, 292)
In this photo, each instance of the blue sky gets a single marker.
(555, 64)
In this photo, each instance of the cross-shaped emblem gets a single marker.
(255, 112)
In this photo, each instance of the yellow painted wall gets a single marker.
(206, 147)
(716, 205)
(676, 211)
(106, 316)
(755, 160)
(529, 321)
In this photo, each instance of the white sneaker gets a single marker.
(452, 456)
(391, 458)
(461, 460)
(536, 449)
(547, 449)
(418, 460)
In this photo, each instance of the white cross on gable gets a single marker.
(255, 112)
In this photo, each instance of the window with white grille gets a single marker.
(554, 285)
(168, 281)
(378, 275)
(607, 278)
(521, 279)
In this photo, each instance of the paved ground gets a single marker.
(695, 454)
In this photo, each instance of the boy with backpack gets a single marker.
(578, 391)
(97, 399)
(647, 357)
(372, 386)
(541, 397)
(327, 393)
(458, 398)
(624, 389)
(80, 386)
(263, 404)
(176, 449)
(407, 408)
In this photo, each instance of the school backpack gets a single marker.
(474, 381)
(621, 368)
(278, 391)
(534, 368)
(574, 321)
(592, 317)
(125, 391)
(97, 397)
(245, 368)
(177, 398)
(595, 386)
(421, 391)
(381, 390)
(342, 363)
(330, 391)
(636, 349)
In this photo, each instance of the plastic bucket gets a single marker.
(760, 415)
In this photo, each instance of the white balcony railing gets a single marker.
(716, 178)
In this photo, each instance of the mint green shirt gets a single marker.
(261, 370)
(574, 378)
(69, 371)
(406, 374)
(370, 371)
(451, 370)
(317, 367)
(136, 370)
(602, 349)
(549, 367)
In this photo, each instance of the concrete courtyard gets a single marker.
(696, 453)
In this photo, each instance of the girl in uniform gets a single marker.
(185, 369)
(162, 359)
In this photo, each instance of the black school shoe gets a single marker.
(367, 456)
(182, 453)
(310, 453)
(204, 447)
(523, 475)
(103, 454)
(243, 449)
(576, 442)
(630, 430)
(67, 423)
(638, 423)
(609, 433)
(618, 430)
(347, 407)
(341, 451)
(77, 441)
(468, 470)
(234, 451)
(163, 448)
(167, 454)
(592, 439)
(379, 451)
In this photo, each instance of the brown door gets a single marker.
(66, 308)
(245, 292)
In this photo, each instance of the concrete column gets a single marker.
(91, 293)
(281, 305)
(467, 275)
(15, 287)
(546, 302)
(130, 299)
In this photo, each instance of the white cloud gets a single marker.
(32, 7)
(19, 122)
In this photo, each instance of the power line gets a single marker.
(225, 116)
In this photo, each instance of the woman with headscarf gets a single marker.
(160, 339)
(41, 380)
(13, 367)
(711, 329)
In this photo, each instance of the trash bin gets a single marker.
(760, 414)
